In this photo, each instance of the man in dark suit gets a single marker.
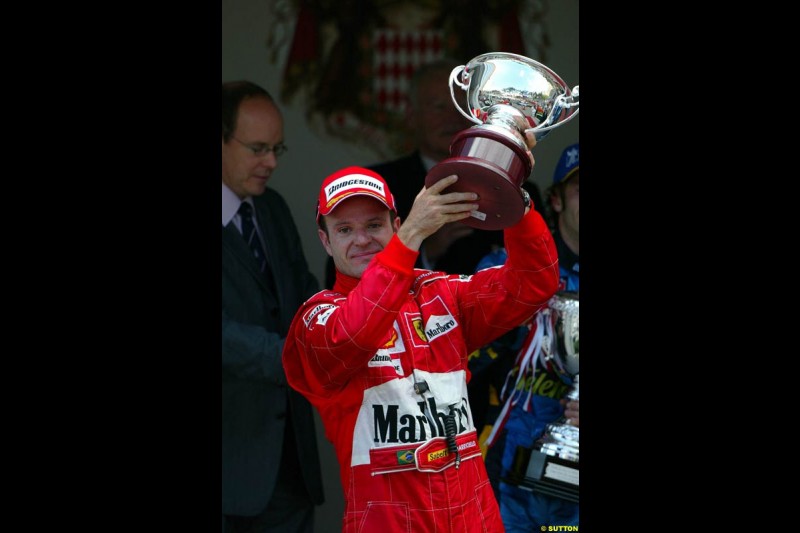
(270, 463)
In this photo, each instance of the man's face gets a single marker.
(568, 218)
(435, 119)
(358, 228)
(259, 123)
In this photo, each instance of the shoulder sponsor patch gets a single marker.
(314, 311)
(322, 318)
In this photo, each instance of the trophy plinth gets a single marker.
(489, 163)
(554, 466)
(508, 95)
(552, 476)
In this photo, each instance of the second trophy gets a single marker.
(552, 465)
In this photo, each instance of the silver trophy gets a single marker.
(507, 96)
(552, 466)
(554, 463)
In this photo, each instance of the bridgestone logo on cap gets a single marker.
(353, 181)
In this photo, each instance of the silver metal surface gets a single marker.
(563, 345)
(514, 92)
(565, 309)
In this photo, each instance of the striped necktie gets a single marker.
(251, 237)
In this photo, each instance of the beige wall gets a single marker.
(245, 28)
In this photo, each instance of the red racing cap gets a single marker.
(352, 181)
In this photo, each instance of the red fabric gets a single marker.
(358, 352)
(305, 42)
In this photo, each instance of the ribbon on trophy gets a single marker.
(541, 349)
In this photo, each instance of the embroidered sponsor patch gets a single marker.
(389, 354)
(309, 316)
(440, 320)
(415, 329)
(323, 316)
(466, 446)
(438, 325)
(351, 182)
(434, 456)
(437, 454)
(383, 358)
(444, 452)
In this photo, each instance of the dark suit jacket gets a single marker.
(254, 388)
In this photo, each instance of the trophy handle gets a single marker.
(454, 79)
(561, 101)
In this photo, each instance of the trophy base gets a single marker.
(494, 167)
(545, 474)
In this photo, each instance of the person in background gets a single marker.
(522, 509)
(383, 355)
(271, 477)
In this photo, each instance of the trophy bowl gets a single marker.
(507, 96)
(565, 307)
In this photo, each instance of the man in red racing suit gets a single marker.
(383, 356)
